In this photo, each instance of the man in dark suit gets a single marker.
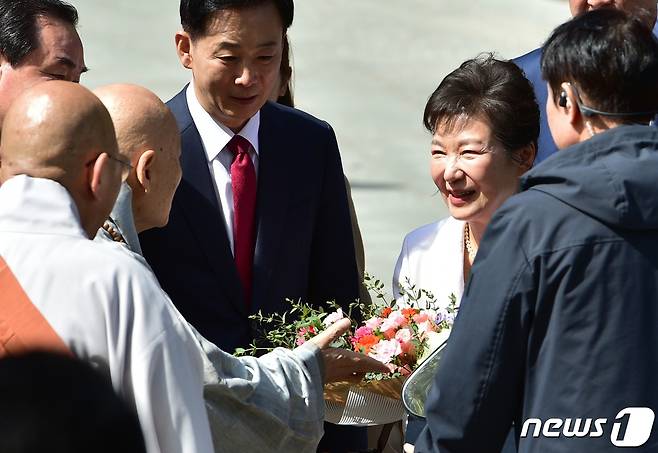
(261, 214)
(645, 9)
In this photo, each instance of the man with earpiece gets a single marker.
(645, 10)
(556, 331)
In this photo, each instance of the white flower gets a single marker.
(385, 350)
(333, 317)
(434, 340)
(394, 321)
(425, 326)
(404, 335)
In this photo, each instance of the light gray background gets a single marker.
(366, 66)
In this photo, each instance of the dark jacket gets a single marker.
(560, 316)
(304, 246)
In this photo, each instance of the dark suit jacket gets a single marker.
(530, 63)
(304, 246)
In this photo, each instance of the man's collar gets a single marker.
(214, 135)
(123, 217)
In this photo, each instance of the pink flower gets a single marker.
(333, 317)
(373, 323)
(394, 321)
(405, 337)
(362, 331)
(389, 334)
(300, 341)
(385, 350)
(421, 317)
(304, 331)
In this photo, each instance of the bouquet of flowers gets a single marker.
(398, 332)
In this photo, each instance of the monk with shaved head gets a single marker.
(74, 147)
(148, 137)
(61, 172)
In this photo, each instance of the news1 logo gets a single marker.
(631, 428)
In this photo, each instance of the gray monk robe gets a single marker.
(272, 403)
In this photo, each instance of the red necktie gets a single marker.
(243, 182)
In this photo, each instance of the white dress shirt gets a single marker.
(214, 137)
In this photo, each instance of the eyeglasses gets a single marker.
(127, 167)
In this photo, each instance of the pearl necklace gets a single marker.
(470, 250)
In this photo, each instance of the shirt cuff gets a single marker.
(311, 355)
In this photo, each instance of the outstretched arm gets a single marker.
(275, 402)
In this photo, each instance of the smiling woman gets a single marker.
(485, 120)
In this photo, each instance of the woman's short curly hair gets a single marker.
(492, 90)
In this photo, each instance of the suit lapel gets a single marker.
(274, 185)
(197, 199)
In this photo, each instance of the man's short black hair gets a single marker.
(612, 59)
(19, 31)
(196, 14)
(495, 91)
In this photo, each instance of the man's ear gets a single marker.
(98, 174)
(283, 88)
(571, 106)
(143, 169)
(183, 48)
(4, 65)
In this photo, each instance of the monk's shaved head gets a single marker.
(52, 130)
(141, 119)
(62, 132)
(148, 136)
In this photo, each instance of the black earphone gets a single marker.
(589, 111)
(562, 101)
